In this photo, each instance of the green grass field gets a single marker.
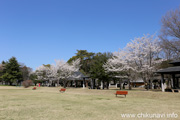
(45, 103)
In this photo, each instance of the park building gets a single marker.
(170, 77)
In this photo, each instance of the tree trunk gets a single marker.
(147, 86)
(120, 84)
(103, 84)
(129, 84)
(75, 82)
(64, 83)
(87, 84)
(10, 83)
(71, 83)
(17, 83)
(123, 85)
(107, 86)
(150, 84)
(57, 83)
(92, 83)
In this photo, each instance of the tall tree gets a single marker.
(60, 71)
(85, 60)
(96, 69)
(120, 65)
(46, 73)
(66, 70)
(25, 71)
(2, 70)
(170, 34)
(33, 77)
(12, 71)
(140, 56)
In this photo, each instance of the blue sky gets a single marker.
(37, 32)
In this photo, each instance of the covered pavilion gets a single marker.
(175, 75)
(79, 79)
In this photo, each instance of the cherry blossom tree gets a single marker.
(139, 56)
(120, 64)
(65, 70)
(47, 73)
(144, 53)
(60, 71)
(40, 72)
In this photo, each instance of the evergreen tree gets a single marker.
(12, 71)
(86, 59)
(2, 71)
(96, 69)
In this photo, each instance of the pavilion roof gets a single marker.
(170, 70)
(174, 62)
(80, 76)
(123, 77)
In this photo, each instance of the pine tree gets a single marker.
(12, 71)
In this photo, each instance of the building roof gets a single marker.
(123, 77)
(170, 70)
(175, 63)
(137, 81)
(78, 76)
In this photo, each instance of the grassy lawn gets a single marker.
(18, 103)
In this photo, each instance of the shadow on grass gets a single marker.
(120, 96)
(137, 89)
(128, 89)
(156, 90)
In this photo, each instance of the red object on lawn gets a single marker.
(62, 90)
(39, 85)
(34, 88)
